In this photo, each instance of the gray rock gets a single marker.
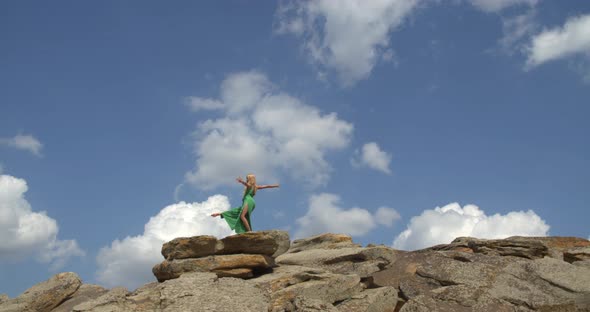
(113, 300)
(288, 282)
(372, 300)
(577, 254)
(362, 261)
(86, 292)
(44, 296)
(323, 241)
(4, 298)
(206, 292)
(173, 269)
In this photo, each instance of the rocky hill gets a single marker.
(265, 271)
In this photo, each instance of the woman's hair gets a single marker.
(250, 184)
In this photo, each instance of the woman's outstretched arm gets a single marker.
(239, 179)
(266, 186)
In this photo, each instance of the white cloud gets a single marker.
(196, 103)
(516, 29)
(128, 262)
(265, 131)
(386, 216)
(499, 5)
(442, 225)
(25, 232)
(373, 157)
(572, 38)
(347, 36)
(23, 142)
(325, 215)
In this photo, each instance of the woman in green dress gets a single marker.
(239, 218)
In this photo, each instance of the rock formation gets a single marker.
(264, 271)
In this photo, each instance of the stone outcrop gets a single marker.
(262, 271)
(242, 256)
(45, 296)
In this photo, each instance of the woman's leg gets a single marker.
(216, 214)
(243, 217)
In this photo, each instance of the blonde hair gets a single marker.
(250, 184)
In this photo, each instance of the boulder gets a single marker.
(190, 247)
(271, 243)
(323, 241)
(86, 292)
(44, 296)
(173, 269)
(3, 298)
(362, 261)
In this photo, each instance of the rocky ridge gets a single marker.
(264, 271)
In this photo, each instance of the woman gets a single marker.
(239, 218)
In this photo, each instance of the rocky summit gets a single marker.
(265, 271)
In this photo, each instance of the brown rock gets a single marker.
(271, 243)
(44, 296)
(173, 269)
(323, 241)
(237, 273)
(190, 247)
(4, 298)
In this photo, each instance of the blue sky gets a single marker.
(400, 122)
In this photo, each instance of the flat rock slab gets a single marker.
(173, 269)
(323, 241)
(44, 296)
(359, 260)
(190, 247)
(271, 243)
(577, 254)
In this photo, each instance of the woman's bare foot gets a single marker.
(215, 214)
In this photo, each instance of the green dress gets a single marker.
(232, 216)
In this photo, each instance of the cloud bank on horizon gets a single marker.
(443, 224)
(25, 232)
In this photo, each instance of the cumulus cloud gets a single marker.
(560, 42)
(373, 157)
(326, 215)
(23, 142)
(442, 225)
(25, 232)
(265, 131)
(347, 36)
(498, 5)
(386, 216)
(128, 262)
